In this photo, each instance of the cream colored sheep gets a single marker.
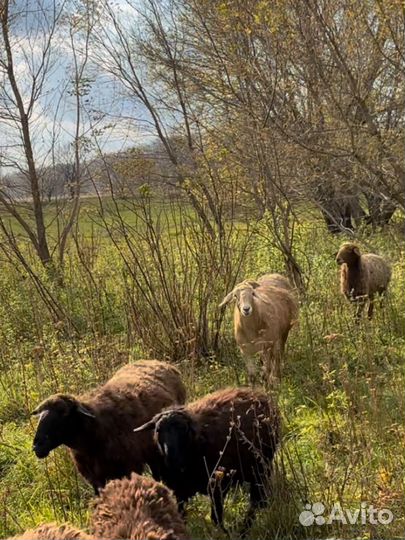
(362, 276)
(265, 311)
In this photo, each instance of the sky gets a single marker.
(54, 116)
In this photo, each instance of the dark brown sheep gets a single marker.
(51, 531)
(97, 427)
(362, 276)
(137, 509)
(225, 438)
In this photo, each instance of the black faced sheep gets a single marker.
(225, 438)
(137, 509)
(362, 276)
(265, 311)
(98, 427)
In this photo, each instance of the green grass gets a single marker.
(342, 397)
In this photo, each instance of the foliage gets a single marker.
(342, 394)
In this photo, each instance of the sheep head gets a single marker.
(175, 433)
(348, 253)
(243, 295)
(59, 417)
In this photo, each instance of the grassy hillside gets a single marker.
(342, 396)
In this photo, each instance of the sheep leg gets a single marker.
(181, 509)
(257, 500)
(155, 469)
(251, 370)
(370, 307)
(382, 299)
(272, 368)
(359, 310)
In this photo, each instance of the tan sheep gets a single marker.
(265, 311)
(362, 276)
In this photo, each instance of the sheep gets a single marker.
(137, 508)
(208, 446)
(362, 276)
(264, 313)
(51, 531)
(97, 426)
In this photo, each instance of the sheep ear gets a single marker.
(356, 251)
(228, 298)
(146, 427)
(252, 283)
(82, 410)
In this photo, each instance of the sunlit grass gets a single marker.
(342, 398)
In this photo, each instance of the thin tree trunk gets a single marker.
(41, 245)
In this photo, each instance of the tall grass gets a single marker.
(148, 284)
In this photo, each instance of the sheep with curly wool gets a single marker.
(226, 438)
(137, 508)
(362, 276)
(97, 427)
(265, 311)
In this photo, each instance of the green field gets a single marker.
(342, 394)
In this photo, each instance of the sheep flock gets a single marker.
(141, 418)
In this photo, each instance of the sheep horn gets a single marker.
(145, 427)
(41, 413)
(85, 411)
(41, 407)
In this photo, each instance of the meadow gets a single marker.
(342, 394)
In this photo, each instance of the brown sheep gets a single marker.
(208, 446)
(134, 509)
(51, 531)
(97, 427)
(362, 276)
(137, 509)
(264, 313)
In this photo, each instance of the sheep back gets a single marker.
(379, 273)
(275, 280)
(137, 508)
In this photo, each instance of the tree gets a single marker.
(30, 130)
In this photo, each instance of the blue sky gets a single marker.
(54, 116)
